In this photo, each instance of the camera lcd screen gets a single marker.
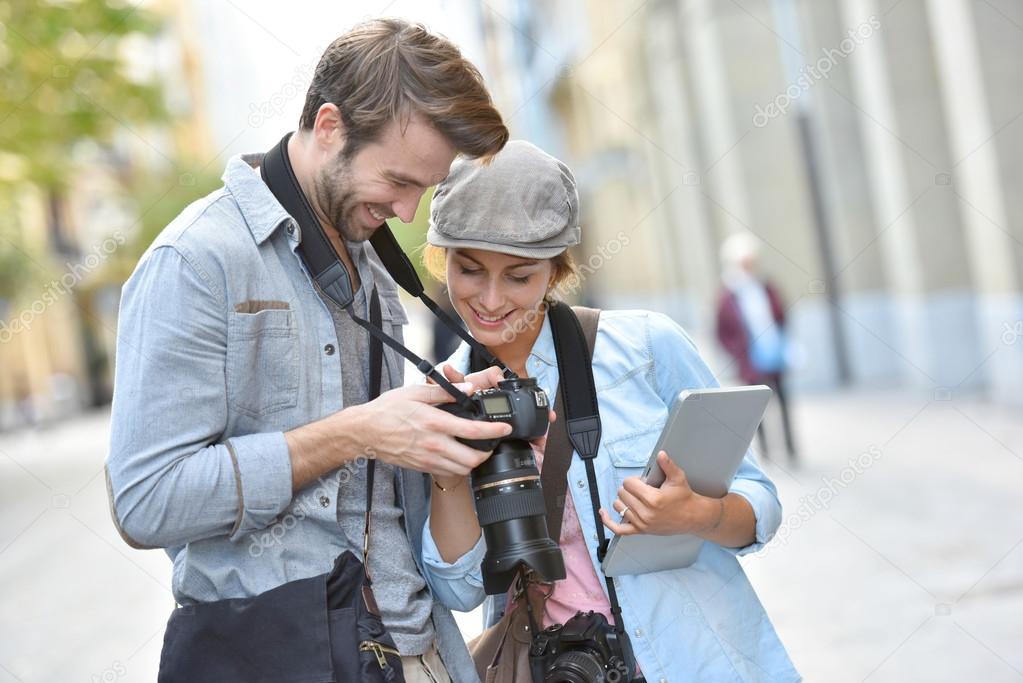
(496, 405)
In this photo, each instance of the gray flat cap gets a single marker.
(523, 203)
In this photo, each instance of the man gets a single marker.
(241, 426)
(751, 326)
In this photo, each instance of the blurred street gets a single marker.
(900, 558)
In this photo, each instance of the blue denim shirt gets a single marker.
(223, 345)
(701, 623)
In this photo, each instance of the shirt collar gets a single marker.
(260, 208)
(543, 347)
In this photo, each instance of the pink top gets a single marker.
(582, 588)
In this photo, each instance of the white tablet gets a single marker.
(707, 434)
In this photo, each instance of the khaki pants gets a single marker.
(425, 668)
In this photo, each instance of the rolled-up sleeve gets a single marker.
(679, 366)
(457, 585)
(170, 480)
(752, 484)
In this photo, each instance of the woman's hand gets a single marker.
(674, 508)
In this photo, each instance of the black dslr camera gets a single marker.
(509, 500)
(583, 650)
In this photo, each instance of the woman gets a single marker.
(499, 236)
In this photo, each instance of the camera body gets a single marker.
(585, 649)
(520, 402)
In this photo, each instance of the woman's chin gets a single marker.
(491, 337)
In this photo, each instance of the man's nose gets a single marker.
(405, 207)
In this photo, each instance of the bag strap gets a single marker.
(558, 453)
(582, 420)
(376, 362)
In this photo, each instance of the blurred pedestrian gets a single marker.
(751, 326)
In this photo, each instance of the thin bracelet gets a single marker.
(721, 514)
(450, 488)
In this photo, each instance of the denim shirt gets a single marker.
(223, 345)
(701, 623)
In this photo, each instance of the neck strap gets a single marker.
(329, 274)
(327, 269)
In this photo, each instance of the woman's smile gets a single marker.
(489, 321)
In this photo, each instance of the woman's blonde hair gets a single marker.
(435, 262)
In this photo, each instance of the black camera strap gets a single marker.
(581, 421)
(329, 274)
(326, 268)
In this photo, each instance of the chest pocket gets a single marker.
(262, 361)
(394, 320)
(628, 455)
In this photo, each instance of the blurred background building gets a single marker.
(870, 146)
(102, 112)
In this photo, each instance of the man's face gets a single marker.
(385, 178)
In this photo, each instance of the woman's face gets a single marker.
(497, 295)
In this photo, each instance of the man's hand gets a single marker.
(404, 428)
(401, 427)
(674, 508)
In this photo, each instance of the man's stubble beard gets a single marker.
(337, 201)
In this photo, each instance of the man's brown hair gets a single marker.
(386, 70)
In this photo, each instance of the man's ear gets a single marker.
(329, 127)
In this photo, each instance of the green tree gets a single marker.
(65, 78)
(68, 78)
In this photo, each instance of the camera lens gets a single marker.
(576, 666)
(510, 508)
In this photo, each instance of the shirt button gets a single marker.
(324, 501)
(638, 633)
(329, 349)
(580, 483)
(663, 680)
(291, 228)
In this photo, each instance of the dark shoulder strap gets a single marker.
(376, 361)
(558, 453)
(582, 422)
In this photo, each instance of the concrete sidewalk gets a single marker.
(900, 558)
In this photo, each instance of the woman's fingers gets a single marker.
(638, 512)
(617, 528)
